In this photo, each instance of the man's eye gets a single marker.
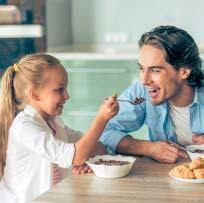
(155, 70)
(141, 69)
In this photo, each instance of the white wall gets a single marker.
(88, 21)
(59, 29)
(91, 19)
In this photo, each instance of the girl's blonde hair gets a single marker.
(28, 71)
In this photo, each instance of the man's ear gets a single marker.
(33, 94)
(185, 72)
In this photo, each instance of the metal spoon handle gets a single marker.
(179, 146)
(123, 100)
(134, 102)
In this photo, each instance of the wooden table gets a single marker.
(147, 182)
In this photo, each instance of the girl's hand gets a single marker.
(109, 108)
(84, 168)
(198, 139)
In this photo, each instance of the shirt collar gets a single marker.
(28, 109)
(31, 111)
(198, 98)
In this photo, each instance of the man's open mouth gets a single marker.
(153, 92)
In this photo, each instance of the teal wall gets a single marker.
(89, 83)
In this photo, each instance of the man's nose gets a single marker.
(145, 78)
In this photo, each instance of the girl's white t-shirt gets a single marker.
(5, 194)
(32, 149)
(181, 119)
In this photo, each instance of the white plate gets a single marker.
(186, 180)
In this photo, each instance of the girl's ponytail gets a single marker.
(8, 110)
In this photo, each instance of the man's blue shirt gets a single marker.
(157, 118)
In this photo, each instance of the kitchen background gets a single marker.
(93, 21)
(96, 40)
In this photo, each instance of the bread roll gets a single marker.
(182, 171)
(199, 173)
(197, 163)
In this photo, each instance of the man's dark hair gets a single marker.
(180, 50)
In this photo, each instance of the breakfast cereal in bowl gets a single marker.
(111, 166)
(195, 151)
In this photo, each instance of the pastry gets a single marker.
(199, 173)
(197, 163)
(182, 171)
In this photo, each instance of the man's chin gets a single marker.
(156, 102)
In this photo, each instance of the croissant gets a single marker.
(182, 171)
(199, 173)
(197, 163)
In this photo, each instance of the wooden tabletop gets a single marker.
(148, 181)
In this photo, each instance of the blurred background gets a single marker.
(96, 41)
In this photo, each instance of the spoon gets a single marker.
(137, 100)
(181, 147)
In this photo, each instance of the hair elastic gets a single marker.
(16, 67)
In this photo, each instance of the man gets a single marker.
(171, 83)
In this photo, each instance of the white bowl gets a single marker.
(195, 154)
(111, 171)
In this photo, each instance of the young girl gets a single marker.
(33, 140)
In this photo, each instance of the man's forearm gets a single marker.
(129, 145)
(158, 150)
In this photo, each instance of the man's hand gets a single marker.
(164, 152)
(76, 170)
(159, 150)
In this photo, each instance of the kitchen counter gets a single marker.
(99, 52)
